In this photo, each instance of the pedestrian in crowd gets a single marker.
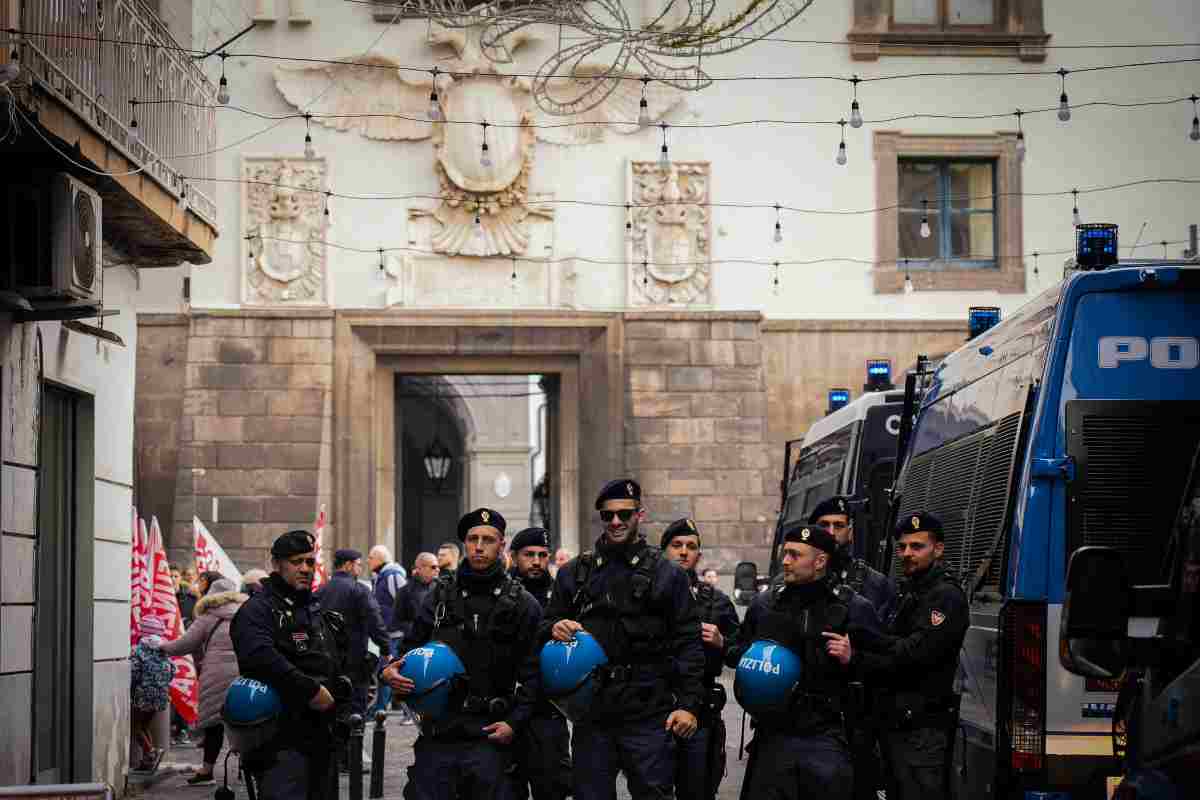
(202, 584)
(639, 608)
(491, 623)
(798, 748)
(150, 675)
(541, 753)
(833, 514)
(252, 581)
(408, 604)
(358, 607)
(388, 577)
(711, 577)
(700, 761)
(283, 638)
(184, 593)
(915, 670)
(207, 640)
(561, 556)
(448, 556)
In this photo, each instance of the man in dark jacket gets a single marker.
(409, 599)
(833, 514)
(639, 607)
(283, 638)
(490, 622)
(542, 750)
(357, 605)
(701, 759)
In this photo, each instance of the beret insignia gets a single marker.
(629, 489)
(691, 524)
(485, 516)
(804, 534)
(916, 523)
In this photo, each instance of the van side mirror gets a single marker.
(1093, 637)
(745, 582)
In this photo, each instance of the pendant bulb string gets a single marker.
(926, 231)
(328, 195)
(1064, 107)
(1076, 219)
(485, 158)
(223, 84)
(134, 131)
(643, 119)
(841, 152)
(435, 107)
(628, 222)
(909, 287)
(664, 158)
(1194, 135)
(645, 274)
(775, 278)
(309, 150)
(1036, 272)
(1020, 135)
(856, 119)
(778, 225)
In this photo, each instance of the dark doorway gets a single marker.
(62, 684)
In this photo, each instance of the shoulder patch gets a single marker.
(936, 618)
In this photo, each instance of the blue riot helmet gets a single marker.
(766, 676)
(569, 673)
(432, 668)
(251, 714)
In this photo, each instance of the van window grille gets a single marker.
(1132, 459)
(967, 483)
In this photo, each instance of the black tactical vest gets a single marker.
(629, 630)
(313, 639)
(482, 629)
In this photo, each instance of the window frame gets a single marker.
(1008, 274)
(1017, 32)
(944, 209)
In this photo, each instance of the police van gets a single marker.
(1071, 423)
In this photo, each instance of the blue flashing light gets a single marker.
(1095, 245)
(838, 398)
(879, 373)
(980, 318)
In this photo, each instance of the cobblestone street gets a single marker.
(179, 764)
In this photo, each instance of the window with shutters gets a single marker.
(1003, 28)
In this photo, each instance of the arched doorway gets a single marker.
(430, 417)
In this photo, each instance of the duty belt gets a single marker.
(624, 673)
(494, 707)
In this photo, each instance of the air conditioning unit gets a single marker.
(56, 238)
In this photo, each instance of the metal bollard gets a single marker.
(354, 757)
(377, 753)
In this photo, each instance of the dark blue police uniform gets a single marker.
(283, 638)
(639, 607)
(364, 621)
(800, 749)
(491, 623)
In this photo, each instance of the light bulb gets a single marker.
(183, 200)
(778, 233)
(643, 114)
(1064, 109)
(435, 108)
(1075, 218)
(664, 160)
(775, 286)
(381, 273)
(925, 230)
(1195, 134)
(309, 150)
(135, 131)
(1021, 145)
(478, 227)
(856, 119)
(908, 284)
(628, 230)
(841, 155)
(223, 91)
(485, 160)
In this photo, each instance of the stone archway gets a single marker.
(583, 350)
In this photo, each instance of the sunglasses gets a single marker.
(625, 514)
(295, 562)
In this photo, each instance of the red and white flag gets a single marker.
(137, 571)
(185, 688)
(146, 589)
(210, 556)
(320, 576)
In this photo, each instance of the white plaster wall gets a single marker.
(760, 164)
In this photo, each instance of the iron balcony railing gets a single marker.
(114, 61)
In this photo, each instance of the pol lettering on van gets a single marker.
(1164, 352)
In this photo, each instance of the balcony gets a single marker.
(88, 69)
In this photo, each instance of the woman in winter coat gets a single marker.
(208, 640)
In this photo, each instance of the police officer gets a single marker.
(490, 622)
(833, 514)
(701, 759)
(799, 749)
(916, 668)
(542, 754)
(283, 638)
(639, 607)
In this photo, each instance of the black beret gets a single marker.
(530, 537)
(620, 489)
(680, 527)
(480, 516)
(345, 555)
(293, 543)
(832, 505)
(918, 521)
(812, 535)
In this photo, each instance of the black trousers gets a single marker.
(542, 758)
(643, 749)
(292, 775)
(784, 766)
(917, 763)
(696, 777)
(448, 769)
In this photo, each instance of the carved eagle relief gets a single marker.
(377, 99)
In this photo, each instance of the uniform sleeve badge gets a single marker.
(936, 618)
